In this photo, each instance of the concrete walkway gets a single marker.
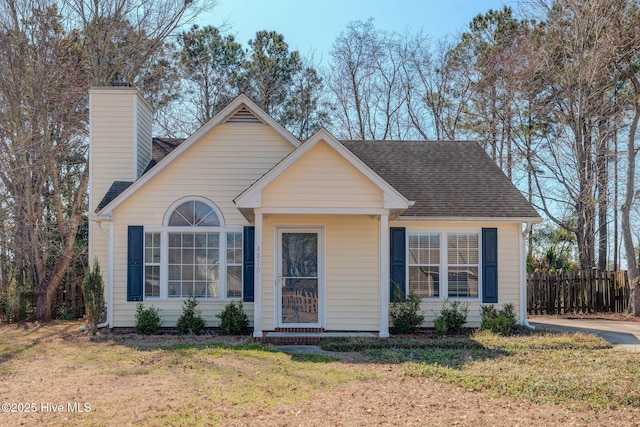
(624, 335)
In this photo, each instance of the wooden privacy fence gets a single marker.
(577, 292)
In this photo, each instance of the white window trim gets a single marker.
(444, 264)
(174, 206)
(164, 231)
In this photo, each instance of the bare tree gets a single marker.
(625, 44)
(367, 83)
(119, 36)
(571, 58)
(438, 88)
(46, 69)
(492, 47)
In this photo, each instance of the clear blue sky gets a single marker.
(311, 26)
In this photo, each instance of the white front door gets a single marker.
(300, 272)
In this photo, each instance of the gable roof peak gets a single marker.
(233, 107)
(250, 197)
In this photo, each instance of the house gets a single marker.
(312, 235)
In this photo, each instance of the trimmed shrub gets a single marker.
(147, 320)
(498, 321)
(93, 293)
(405, 312)
(233, 319)
(190, 321)
(451, 318)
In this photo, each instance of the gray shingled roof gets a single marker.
(163, 146)
(160, 147)
(444, 178)
(114, 191)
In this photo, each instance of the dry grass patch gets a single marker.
(209, 380)
(159, 380)
(574, 369)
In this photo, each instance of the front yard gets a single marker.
(53, 375)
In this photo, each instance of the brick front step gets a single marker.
(301, 330)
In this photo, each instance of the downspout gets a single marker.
(109, 304)
(523, 277)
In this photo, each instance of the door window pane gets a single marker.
(300, 254)
(299, 293)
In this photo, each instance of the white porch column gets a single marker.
(384, 276)
(257, 276)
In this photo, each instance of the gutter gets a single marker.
(109, 232)
(523, 277)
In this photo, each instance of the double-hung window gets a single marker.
(152, 264)
(193, 253)
(424, 265)
(462, 265)
(234, 265)
(443, 264)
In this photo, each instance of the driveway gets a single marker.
(625, 335)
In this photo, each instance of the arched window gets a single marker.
(194, 213)
(193, 254)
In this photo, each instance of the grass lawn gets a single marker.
(50, 370)
(577, 370)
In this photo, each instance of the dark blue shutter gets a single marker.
(248, 261)
(398, 258)
(135, 263)
(490, 265)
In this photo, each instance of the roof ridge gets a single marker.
(407, 141)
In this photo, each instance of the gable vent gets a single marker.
(243, 116)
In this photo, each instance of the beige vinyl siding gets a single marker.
(268, 266)
(115, 140)
(508, 265)
(99, 248)
(112, 151)
(352, 291)
(144, 120)
(322, 179)
(218, 167)
(112, 141)
(170, 310)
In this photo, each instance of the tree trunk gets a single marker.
(50, 283)
(629, 249)
(602, 186)
(615, 200)
(44, 303)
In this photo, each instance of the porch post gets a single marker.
(257, 276)
(384, 276)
